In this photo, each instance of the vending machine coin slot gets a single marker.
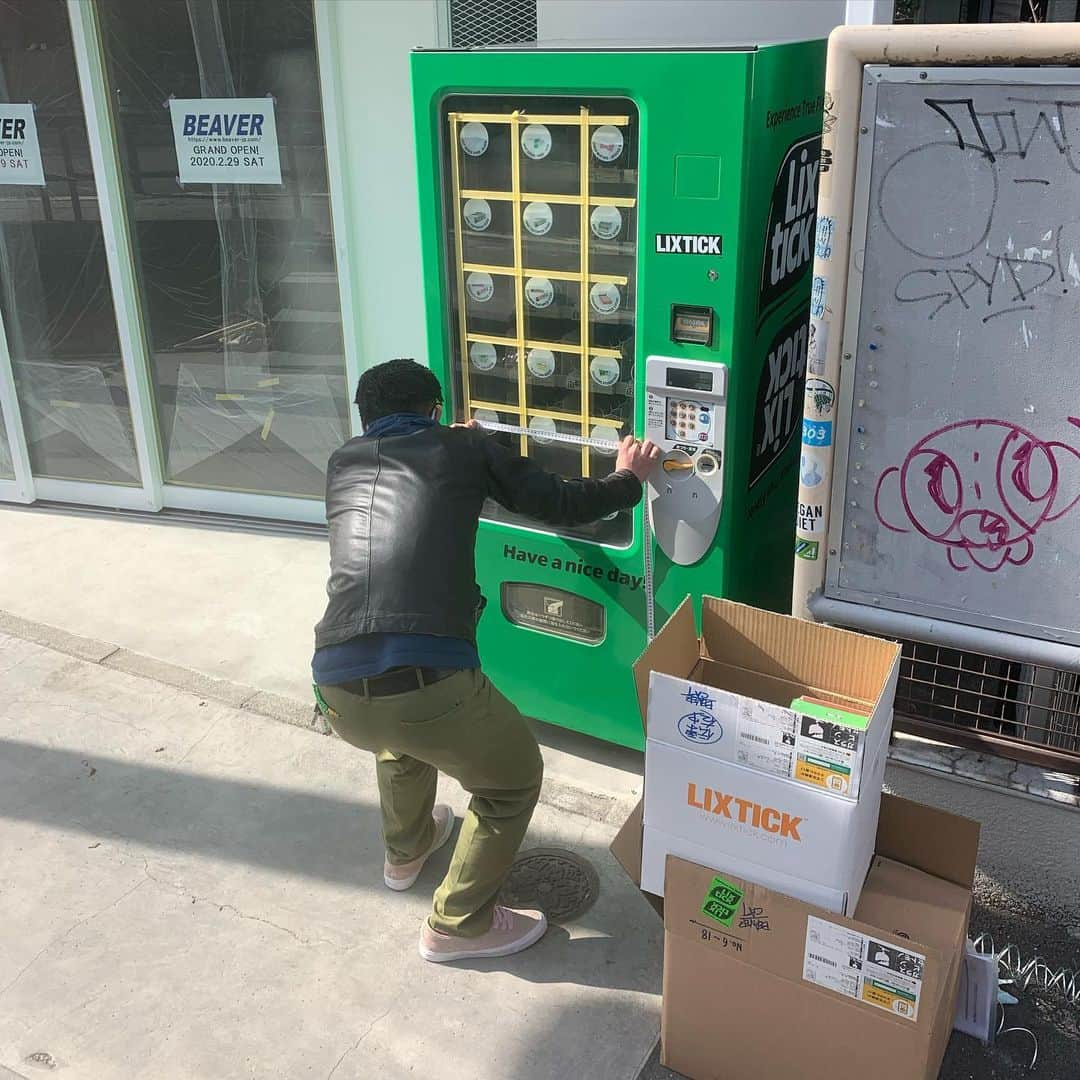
(685, 415)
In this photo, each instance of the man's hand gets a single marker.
(475, 424)
(639, 457)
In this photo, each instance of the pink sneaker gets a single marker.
(511, 932)
(402, 877)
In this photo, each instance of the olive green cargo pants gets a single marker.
(464, 727)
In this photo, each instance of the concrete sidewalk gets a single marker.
(228, 614)
(190, 890)
(225, 604)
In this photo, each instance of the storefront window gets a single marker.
(541, 217)
(54, 283)
(7, 468)
(237, 276)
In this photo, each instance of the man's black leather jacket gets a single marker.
(403, 513)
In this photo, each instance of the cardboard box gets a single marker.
(759, 985)
(727, 776)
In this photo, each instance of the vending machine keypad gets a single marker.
(689, 421)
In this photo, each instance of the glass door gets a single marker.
(219, 123)
(541, 207)
(16, 484)
(66, 414)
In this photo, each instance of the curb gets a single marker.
(105, 654)
(906, 751)
(594, 806)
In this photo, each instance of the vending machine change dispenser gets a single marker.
(620, 242)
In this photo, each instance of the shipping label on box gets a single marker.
(817, 749)
(858, 966)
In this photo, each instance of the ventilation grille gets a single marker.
(1034, 706)
(491, 22)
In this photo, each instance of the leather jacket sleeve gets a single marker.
(522, 487)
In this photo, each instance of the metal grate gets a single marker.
(476, 23)
(1035, 711)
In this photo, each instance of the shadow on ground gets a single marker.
(300, 833)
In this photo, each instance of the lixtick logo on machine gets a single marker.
(744, 811)
(789, 236)
(689, 244)
(779, 407)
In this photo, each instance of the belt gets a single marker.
(398, 680)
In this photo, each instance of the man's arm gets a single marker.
(521, 486)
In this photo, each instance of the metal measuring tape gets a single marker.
(598, 444)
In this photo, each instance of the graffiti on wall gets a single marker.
(982, 490)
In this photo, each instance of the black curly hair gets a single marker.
(400, 385)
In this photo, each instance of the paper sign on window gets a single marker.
(225, 140)
(20, 152)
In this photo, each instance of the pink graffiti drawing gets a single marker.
(982, 489)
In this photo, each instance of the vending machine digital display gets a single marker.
(619, 242)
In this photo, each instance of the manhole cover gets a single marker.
(561, 884)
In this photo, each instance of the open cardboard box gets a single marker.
(759, 985)
(732, 773)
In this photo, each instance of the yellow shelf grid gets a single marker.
(585, 199)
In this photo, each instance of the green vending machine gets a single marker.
(620, 241)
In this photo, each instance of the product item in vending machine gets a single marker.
(539, 292)
(607, 143)
(537, 218)
(605, 298)
(474, 138)
(541, 362)
(605, 222)
(604, 370)
(477, 214)
(480, 286)
(536, 141)
(483, 355)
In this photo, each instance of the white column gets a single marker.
(863, 12)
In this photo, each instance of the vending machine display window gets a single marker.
(541, 210)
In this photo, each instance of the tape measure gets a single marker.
(598, 444)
